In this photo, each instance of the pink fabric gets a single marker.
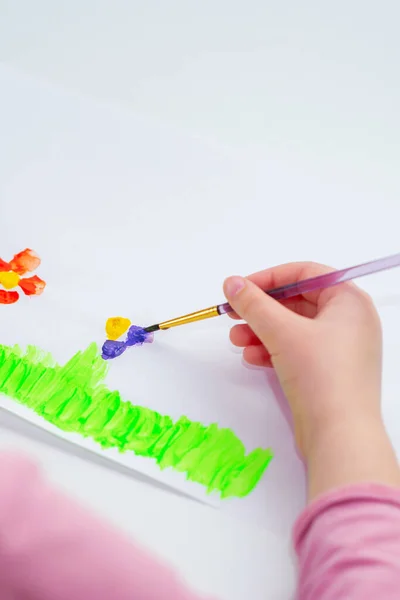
(51, 549)
(348, 544)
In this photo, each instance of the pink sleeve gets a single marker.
(51, 548)
(348, 545)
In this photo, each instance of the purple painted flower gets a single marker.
(112, 349)
(138, 336)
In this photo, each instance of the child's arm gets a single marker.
(348, 544)
(52, 549)
(326, 349)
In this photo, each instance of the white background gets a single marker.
(306, 96)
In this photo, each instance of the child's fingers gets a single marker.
(234, 316)
(290, 273)
(242, 336)
(298, 304)
(301, 306)
(257, 356)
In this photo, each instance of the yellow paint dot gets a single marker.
(116, 326)
(9, 279)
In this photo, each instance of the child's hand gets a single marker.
(325, 347)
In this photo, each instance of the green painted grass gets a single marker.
(74, 398)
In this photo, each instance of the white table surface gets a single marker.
(315, 79)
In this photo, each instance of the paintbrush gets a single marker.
(288, 291)
(137, 336)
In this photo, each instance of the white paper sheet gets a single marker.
(145, 222)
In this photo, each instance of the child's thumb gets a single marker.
(265, 316)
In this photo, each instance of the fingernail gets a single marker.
(233, 285)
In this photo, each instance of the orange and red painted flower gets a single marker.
(11, 277)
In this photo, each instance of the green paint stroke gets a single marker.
(74, 398)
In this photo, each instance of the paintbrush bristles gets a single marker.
(151, 328)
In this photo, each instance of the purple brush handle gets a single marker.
(325, 281)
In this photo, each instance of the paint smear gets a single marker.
(9, 279)
(74, 398)
(116, 326)
(32, 286)
(11, 276)
(137, 336)
(8, 297)
(4, 266)
(25, 262)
